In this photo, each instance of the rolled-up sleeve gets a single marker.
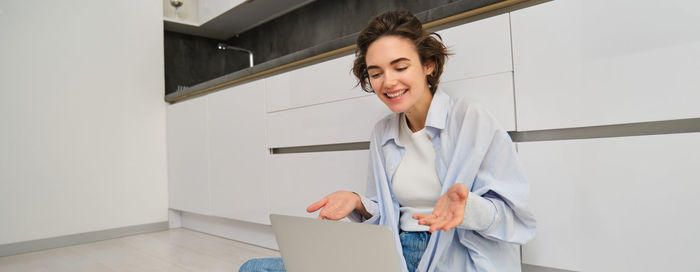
(371, 207)
(479, 213)
(500, 181)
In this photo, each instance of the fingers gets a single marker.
(428, 220)
(335, 206)
(418, 216)
(445, 224)
(452, 224)
(423, 219)
(437, 222)
(325, 214)
(319, 204)
(449, 210)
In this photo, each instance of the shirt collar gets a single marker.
(438, 112)
(436, 119)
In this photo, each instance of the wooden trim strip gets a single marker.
(266, 72)
(472, 13)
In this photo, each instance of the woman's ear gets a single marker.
(428, 67)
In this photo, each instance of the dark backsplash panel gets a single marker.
(190, 60)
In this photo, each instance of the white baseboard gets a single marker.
(535, 268)
(174, 218)
(251, 233)
(80, 238)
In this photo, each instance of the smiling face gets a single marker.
(397, 75)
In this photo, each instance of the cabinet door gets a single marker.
(495, 92)
(597, 62)
(238, 153)
(614, 204)
(188, 183)
(480, 48)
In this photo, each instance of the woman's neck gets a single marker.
(415, 116)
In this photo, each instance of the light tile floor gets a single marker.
(172, 250)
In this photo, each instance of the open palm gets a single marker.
(449, 209)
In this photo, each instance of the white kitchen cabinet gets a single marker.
(345, 121)
(298, 180)
(238, 153)
(188, 167)
(597, 62)
(322, 82)
(614, 204)
(480, 48)
(495, 92)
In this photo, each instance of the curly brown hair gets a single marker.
(402, 24)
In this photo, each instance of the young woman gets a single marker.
(444, 176)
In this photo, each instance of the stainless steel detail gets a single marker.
(223, 46)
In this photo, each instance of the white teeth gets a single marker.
(396, 94)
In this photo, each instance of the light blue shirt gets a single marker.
(470, 148)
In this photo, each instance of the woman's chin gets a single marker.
(396, 109)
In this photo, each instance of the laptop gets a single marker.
(314, 245)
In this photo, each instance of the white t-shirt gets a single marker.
(417, 187)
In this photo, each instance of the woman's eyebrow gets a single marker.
(398, 60)
(392, 63)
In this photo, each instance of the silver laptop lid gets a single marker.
(314, 245)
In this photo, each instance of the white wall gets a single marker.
(82, 117)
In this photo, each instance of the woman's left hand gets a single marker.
(449, 210)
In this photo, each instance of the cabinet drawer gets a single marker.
(323, 82)
(620, 67)
(344, 121)
(298, 180)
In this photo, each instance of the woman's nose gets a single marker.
(390, 81)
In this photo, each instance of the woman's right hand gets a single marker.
(337, 205)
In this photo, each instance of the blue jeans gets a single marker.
(412, 243)
(263, 265)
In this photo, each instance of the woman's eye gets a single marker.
(401, 68)
(375, 75)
